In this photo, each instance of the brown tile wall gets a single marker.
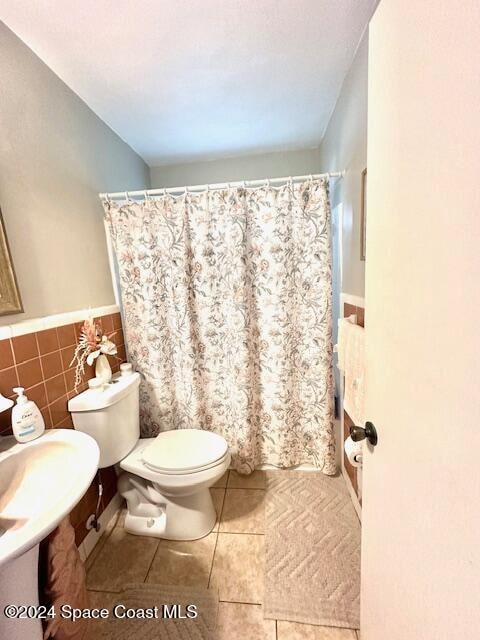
(40, 362)
(348, 310)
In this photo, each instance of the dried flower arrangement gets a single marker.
(92, 343)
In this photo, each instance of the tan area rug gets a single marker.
(144, 596)
(312, 550)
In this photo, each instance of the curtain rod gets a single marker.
(216, 186)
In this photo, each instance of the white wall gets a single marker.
(55, 156)
(344, 146)
(267, 165)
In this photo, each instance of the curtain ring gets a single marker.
(126, 196)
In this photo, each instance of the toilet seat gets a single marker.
(184, 451)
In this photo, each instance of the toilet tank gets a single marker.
(110, 416)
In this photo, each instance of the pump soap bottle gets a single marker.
(27, 421)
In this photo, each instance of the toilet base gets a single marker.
(179, 517)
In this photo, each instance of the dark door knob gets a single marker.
(369, 433)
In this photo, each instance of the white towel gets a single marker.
(354, 369)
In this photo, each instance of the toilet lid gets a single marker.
(184, 450)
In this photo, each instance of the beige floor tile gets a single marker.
(222, 482)
(295, 631)
(116, 521)
(243, 511)
(186, 563)
(241, 621)
(95, 552)
(255, 480)
(123, 558)
(238, 568)
(218, 496)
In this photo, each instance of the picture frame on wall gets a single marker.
(10, 300)
(363, 217)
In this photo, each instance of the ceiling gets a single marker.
(186, 80)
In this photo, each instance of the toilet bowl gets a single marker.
(168, 496)
(165, 480)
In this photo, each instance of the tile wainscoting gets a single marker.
(40, 362)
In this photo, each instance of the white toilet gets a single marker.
(166, 479)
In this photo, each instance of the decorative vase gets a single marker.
(103, 371)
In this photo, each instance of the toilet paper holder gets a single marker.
(369, 433)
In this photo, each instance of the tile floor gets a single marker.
(229, 559)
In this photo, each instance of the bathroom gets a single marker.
(241, 406)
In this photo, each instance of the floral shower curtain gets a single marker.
(226, 298)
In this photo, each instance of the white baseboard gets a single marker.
(356, 504)
(86, 547)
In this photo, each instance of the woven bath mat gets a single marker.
(312, 550)
(141, 596)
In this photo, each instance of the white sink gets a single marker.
(40, 483)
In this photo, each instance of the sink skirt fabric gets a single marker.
(65, 582)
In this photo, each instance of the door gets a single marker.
(421, 484)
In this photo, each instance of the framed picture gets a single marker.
(10, 301)
(363, 217)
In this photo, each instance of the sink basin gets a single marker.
(40, 483)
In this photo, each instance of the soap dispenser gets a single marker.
(27, 421)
